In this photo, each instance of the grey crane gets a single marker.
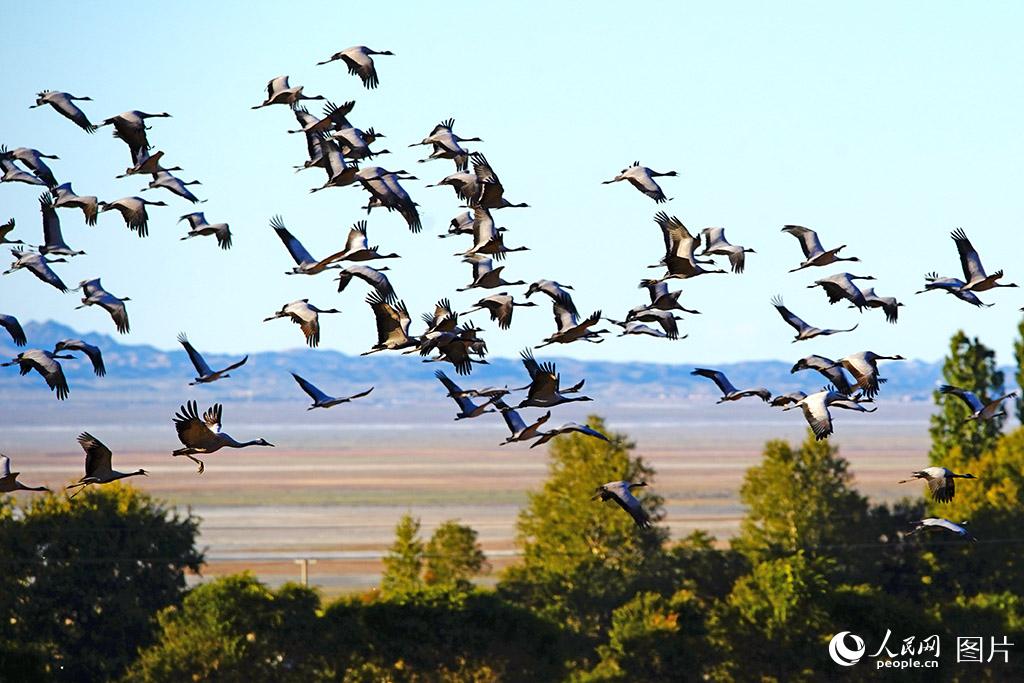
(65, 197)
(357, 246)
(45, 363)
(490, 193)
(854, 403)
(715, 244)
(199, 227)
(443, 319)
(306, 316)
(206, 375)
(815, 409)
(456, 347)
(314, 140)
(130, 127)
(814, 253)
(941, 482)
(445, 144)
(665, 319)
(339, 172)
(621, 492)
(359, 60)
(322, 400)
(555, 291)
(64, 104)
(374, 277)
(392, 321)
(940, 523)
(9, 480)
(305, 264)
(386, 190)
(863, 366)
(500, 307)
(568, 428)
(6, 230)
(643, 179)
(803, 330)
(970, 262)
(661, 299)
(13, 327)
(520, 431)
(832, 371)
(147, 164)
(98, 465)
(355, 143)
(93, 294)
(38, 265)
(53, 239)
(889, 305)
(133, 211)
(544, 389)
(951, 285)
(570, 328)
(175, 185)
(92, 352)
(680, 246)
(335, 119)
(729, 391)
(279, 91)
(842, 286)
(783, 400)
(485, 275)
(467, 408)
(487, 239)
(11, 173)
(463, 182)
(462, 225)
(980, 410)
(203, 435)
(33, 159)
(638, 329)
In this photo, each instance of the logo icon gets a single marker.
(843, 655)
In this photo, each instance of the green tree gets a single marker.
(235, 630)
(654, 638)
(404, 561)
(84, 579)
(800, 499)
(454, 556)
(436, 634)
(957, 441)
(582, 559)
(772, 626)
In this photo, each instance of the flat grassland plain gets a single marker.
(333, 489)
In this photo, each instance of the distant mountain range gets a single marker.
(140, 374)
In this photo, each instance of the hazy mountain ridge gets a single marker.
(143, 371)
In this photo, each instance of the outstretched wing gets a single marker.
(966, 396)
(197, 360)
(792, 320)
(97, 455)
(970, 262)
(310, 389)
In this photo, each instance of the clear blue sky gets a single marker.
(882, 125)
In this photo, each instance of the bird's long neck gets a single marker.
(125, 475)
(22, 487)
(242, 444)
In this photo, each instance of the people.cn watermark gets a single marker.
(847, 649)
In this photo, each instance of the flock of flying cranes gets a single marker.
(339, 148)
